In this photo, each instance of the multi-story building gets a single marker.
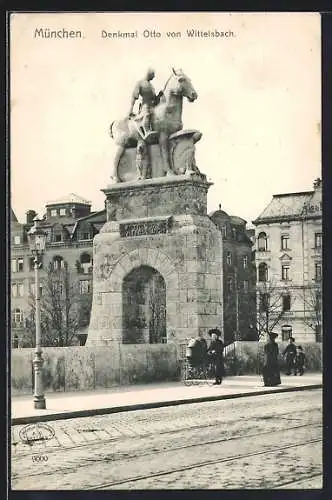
(70, 226)
(239, 298)
(289, 265)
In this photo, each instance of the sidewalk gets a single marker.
(66, 405)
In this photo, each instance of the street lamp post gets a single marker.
(37, 242)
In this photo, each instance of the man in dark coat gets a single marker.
(215, 352)
(290, 355)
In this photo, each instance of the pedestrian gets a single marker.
(300, 360)
(271, 372)
(215, 351)
(289, 355)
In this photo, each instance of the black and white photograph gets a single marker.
(166, 240)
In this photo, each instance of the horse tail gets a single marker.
(111, 130)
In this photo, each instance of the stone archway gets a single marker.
(109, 317)
(144, 306)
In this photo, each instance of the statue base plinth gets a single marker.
(157, 264)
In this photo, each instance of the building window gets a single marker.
(86, 263)
(263, 302)
(224, 231)
(31, 263)
(284, 242)
(17, 240)
(17, 316)
(286, 332)
(85, 287)
(58, 237)
(58, 262)
(54, 212)
(286, 302)
(229, 284)
(17, 265)
(229, 258)
(285, 272)
(85, 236)
(262, 242)
(318, 240)
(245, 262)
(262, 272)
(245, 286)
(318, 272)
(62, 212)
(14, 290)
(32, 288)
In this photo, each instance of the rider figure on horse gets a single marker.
(149, 100)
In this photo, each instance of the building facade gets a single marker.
(239, 298)
(70, 226)
(289, 265)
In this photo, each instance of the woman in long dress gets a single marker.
(271, 371)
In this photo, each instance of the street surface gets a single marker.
(262, 442)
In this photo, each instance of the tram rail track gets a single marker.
(202, 464)
(118, 457)
(54, 449)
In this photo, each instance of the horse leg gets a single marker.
(141, 156)
(163, 144)
(116, 161)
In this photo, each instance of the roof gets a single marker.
(237, 221)
(219, 213)
(292, 205)
(69, 198)
(13, 217)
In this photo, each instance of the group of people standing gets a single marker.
(294, 358)
(199, 354)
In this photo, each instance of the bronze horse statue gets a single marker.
(166, 119)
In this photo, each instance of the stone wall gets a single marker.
(247, 358)
(89, 368)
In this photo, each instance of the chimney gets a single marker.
(30, 215)
(318, 183)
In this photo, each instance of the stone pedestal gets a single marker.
(159, 225)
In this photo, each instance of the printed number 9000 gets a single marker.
(39, 458)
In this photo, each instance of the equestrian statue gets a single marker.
(158, 122)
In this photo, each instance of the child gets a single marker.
(299, 360)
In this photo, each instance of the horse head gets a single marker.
(180, 84)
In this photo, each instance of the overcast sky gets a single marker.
(258, 103)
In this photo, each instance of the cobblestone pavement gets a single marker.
(268, 441)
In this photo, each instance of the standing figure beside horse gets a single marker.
(159, 117)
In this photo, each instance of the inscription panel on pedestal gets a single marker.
(130, 229)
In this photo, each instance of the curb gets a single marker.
(147, 406)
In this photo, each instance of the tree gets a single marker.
(311, 298)
(63, 310)
(157, 309)
(270, 306)
(240, 316)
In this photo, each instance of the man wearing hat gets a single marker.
(215, 352)
(290, 355)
